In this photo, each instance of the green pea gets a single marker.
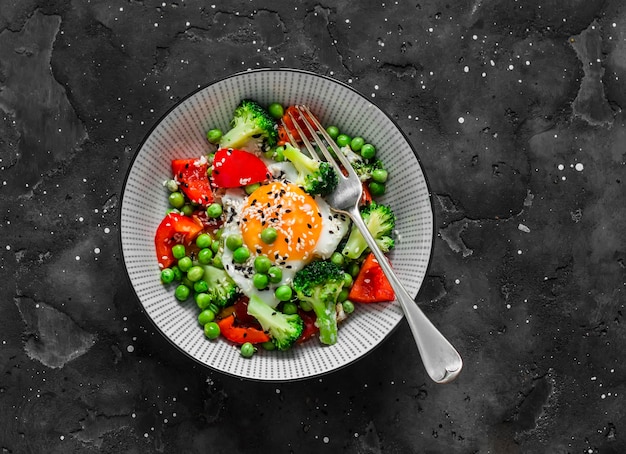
(380, 175)
(269, 235)
(215, 246)
(210, 158)
(217, 262)
(276, 110)
(290, 308)
(171, 185)
(182, 292)
(356, 143)
(234, 241)
(187, 210)
(204, 240)
(214, 135)
(179, 251)
(348, 306)
(343, 295)
(241, 254)
(200, 286)
(283, 293)
(185, 263)
(214, 210)
(262, 264)
(279, 155)
(249, 189)
(195, 273)
(354, 269)
(347, 279)
(269, 345)
(212, 330)
(203, 300)
(206, 316)
(343, 140)
(176, 199)
(275, 274)
(209, 171)
(167, 275)
(260, 281)
(376, 189)
(368, 151)
(338, 259)
(218, 233)
(205, 256)
(333, 131)
(305, 306)
(247, 350)
(178, 274)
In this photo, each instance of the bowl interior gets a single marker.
(181, 134)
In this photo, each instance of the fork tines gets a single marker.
(317, 132)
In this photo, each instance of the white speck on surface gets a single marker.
(579, 166)
(130, 349)
(97, 250)
(560, 167)
(523, 228)
(466, 69)
(461, 120)
(457, 281)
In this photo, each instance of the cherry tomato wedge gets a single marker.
(240, 334)
(175, 228)
(193, 180)
(371, 284)
(310, 329)
(283, 138)
(233, 168)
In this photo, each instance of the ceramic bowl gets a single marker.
(180, 133)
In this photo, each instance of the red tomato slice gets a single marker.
(174, 229)
(371, 284)
(283, 138)
(234, 168)
(310, 329)
(191, 175)
(240, 334)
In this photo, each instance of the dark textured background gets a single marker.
(515, 108)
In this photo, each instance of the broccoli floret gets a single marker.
(362, 167)
(315, 177)
(250, 122)
(222, 289)
(284, 329)
(319, 284)
(380, 221)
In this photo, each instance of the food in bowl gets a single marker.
(250, 238)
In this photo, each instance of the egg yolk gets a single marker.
(291, 212)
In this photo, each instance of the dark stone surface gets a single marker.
(515, 108)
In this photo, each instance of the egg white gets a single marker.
(334, 227)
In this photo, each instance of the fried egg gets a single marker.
(305, 225)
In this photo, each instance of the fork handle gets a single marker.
(441, 361)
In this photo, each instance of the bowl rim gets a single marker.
(200, 88)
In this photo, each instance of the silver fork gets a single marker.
(441, 361)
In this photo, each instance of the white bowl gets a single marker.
(181, 133)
